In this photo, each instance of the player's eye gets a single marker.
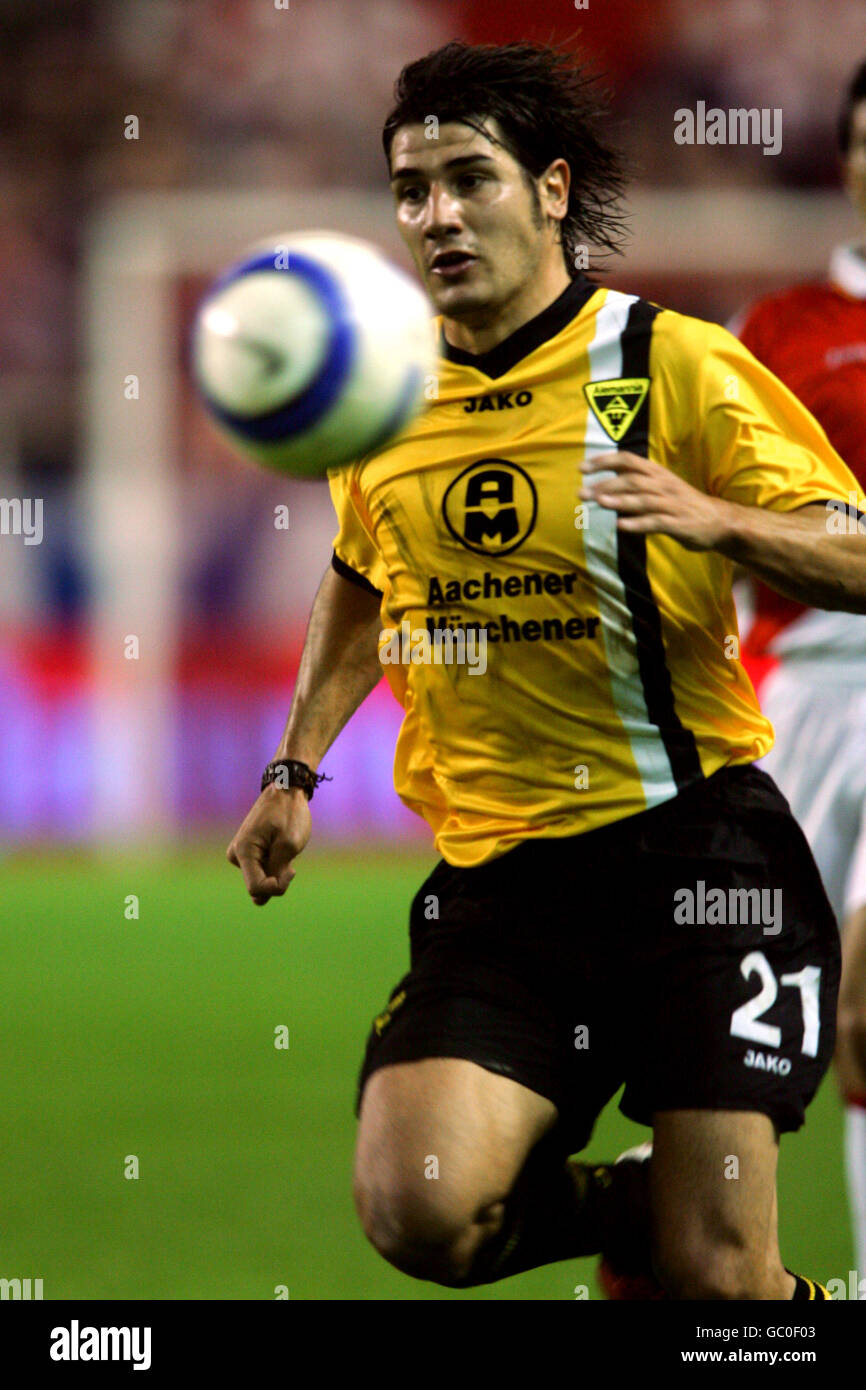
(409, 193)
(472, 180)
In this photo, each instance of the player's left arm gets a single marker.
(793, 551)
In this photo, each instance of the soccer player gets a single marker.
(622, 896)
(813, 338)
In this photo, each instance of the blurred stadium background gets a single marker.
(153, 1035)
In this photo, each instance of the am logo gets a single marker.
(491, 507)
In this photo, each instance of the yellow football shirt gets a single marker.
(611, 677)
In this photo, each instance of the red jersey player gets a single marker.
(813, 337)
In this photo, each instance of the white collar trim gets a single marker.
(848, 271)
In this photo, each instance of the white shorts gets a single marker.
(819, 764)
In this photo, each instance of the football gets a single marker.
(312, 351)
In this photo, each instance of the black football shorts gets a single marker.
(689, 952)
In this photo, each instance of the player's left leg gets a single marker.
(441, 1142)
(494, 1056)
(713, 1194)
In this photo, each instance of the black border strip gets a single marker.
(528, 336)
(354, 577)
(679, 742)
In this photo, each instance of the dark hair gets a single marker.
(547, 107)
(855, 94)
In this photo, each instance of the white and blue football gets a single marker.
(312, 351)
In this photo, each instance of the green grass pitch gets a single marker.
(154, 1037)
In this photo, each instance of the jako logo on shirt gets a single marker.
(491, 507)
(503, 400)
(74, 1343)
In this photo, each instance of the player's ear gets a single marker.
(554, 186)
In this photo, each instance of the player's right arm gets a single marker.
(339, 667)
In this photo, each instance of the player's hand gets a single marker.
(271, 836)
(649, 498)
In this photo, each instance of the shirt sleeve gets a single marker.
(354, 546)
(756, 444)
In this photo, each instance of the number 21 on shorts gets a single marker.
(745, 1021)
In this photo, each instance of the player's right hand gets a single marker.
(272, 835)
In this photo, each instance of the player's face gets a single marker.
(461, 193)
(855, 161)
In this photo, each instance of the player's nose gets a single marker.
(441, 213)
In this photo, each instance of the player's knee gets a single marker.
(420, 1232)
(706, 1269)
